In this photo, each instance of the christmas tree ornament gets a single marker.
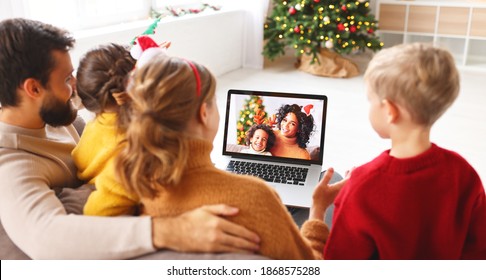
(344, 8)
(292, 11)
(326, 19)
(296, 29)
(298, 7)
(340, 27)
(352, 29)
(317, 1)
(329, 44)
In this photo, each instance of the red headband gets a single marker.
(198, 78)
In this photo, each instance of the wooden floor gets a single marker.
(350, 140)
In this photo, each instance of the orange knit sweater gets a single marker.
(260, 207)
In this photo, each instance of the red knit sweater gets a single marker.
(431, 206)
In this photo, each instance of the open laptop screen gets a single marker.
(297, 122)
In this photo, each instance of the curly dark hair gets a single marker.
(306, 123)
(271, 136)
(102, 72)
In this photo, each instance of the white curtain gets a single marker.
(253, 35)
(257, 12)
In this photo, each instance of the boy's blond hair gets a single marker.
(421, 78)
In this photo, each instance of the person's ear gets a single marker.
(204, 114)
(32, 88)
(391, 110)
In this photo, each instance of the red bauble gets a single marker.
(317, 1)
(296, 29)
(340, 27)
(292, 11)
(370, 31)
(352, 28)
(343, 7)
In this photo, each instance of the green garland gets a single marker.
(177, 12)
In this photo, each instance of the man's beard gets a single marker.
(56, 113)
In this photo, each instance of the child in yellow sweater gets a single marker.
(166, 161)
(101, 81)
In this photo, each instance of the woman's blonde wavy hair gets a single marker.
(164, 100)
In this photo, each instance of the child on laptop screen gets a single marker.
(259, 139)
(416, 200)
(166, 160)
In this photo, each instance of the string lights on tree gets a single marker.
(253, 111)
(344, 26)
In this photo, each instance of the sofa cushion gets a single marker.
(313, 151)
(9, 250)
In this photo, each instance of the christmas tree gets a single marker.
(253, 112)
(308, 25)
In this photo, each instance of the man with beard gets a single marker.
(36, 140)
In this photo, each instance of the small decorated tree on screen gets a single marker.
(253, 112)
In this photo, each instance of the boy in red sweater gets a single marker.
(416, 200)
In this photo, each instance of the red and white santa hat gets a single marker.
(144, 49)
(308, 109)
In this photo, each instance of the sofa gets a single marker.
(313, 150)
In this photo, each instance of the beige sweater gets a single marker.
(260, 208)
(35, 164)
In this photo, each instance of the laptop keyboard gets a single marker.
(270, 172)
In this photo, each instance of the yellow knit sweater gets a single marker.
(93, 156)
(260, 207)
(96, 146)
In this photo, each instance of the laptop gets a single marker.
(293, 171)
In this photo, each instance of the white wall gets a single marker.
(223, 41)
(212, 39)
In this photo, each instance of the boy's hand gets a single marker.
(204, 230)
(325, 193)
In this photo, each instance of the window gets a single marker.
(75, 15)
(81, 14)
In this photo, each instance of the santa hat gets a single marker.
(144, 49)
(308, 109)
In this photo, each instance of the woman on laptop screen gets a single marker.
(294, 127)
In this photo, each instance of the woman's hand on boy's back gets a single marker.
(204, 229)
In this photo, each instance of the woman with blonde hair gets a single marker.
(166, 160)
